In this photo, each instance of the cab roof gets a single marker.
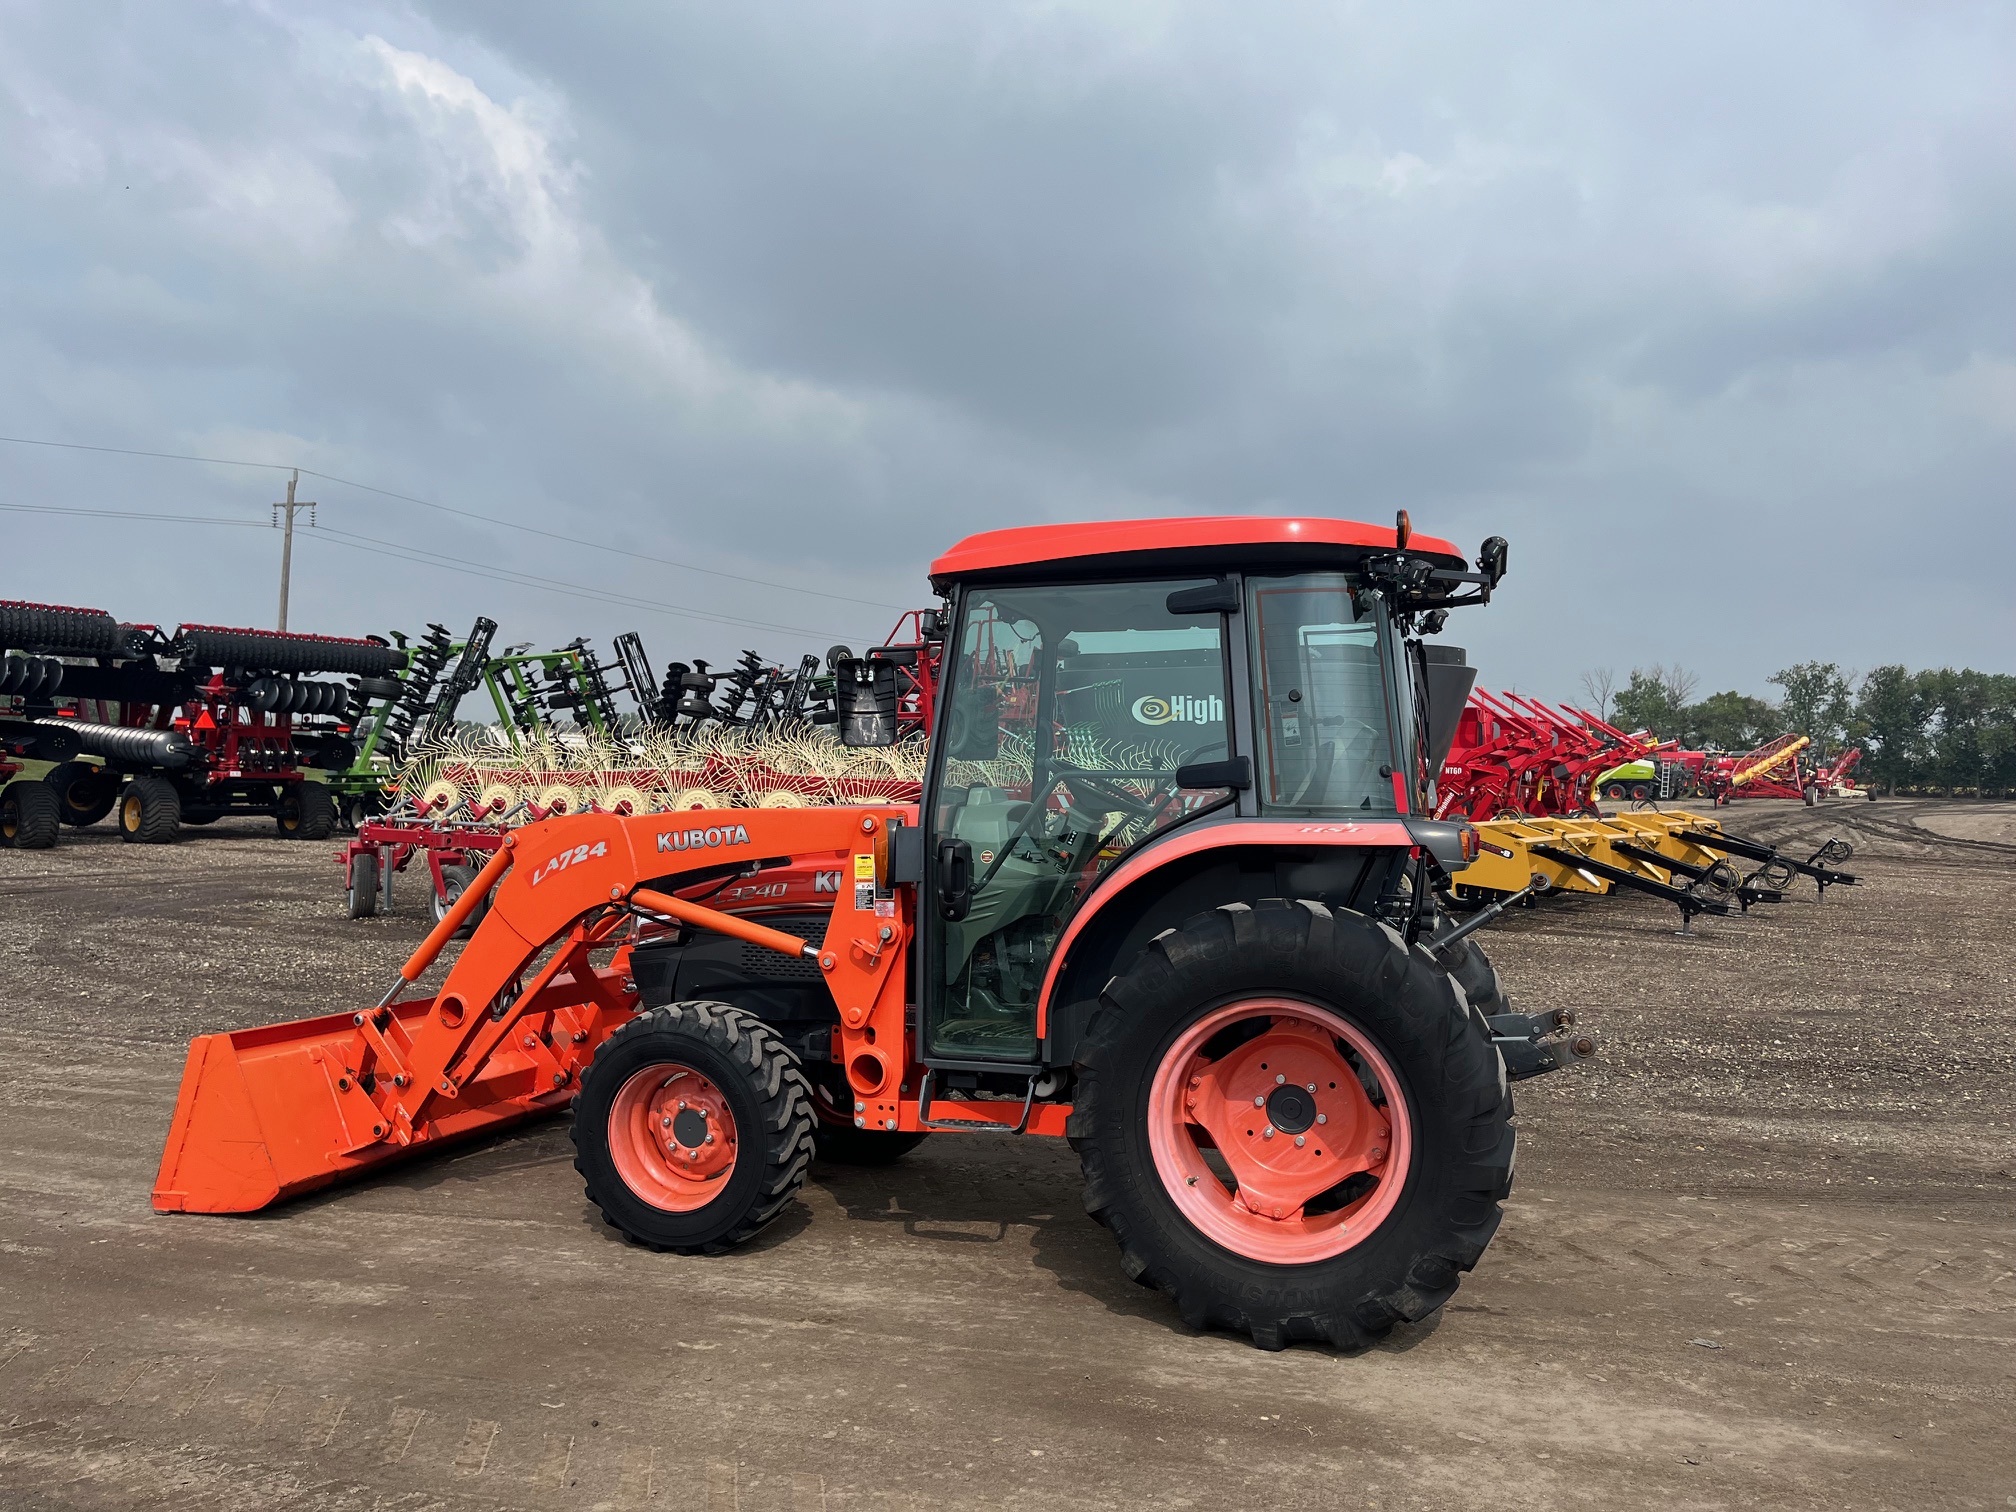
(1196, 545)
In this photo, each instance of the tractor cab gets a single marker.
(1105, 686)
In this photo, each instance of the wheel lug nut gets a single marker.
(1322, 1118)
(1312, 1086)
(1259, 1102)
(1268, 1132)
(1298, 1141)
(665, 1122)
(1279, 1079)
(710, 1139)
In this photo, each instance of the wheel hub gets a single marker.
(1292, 1109)
(1307, 1161)
(672, 1136)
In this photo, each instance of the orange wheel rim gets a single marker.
(672, 1137)
(1280, 1130)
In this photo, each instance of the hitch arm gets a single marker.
(1485, 915)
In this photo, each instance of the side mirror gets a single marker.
(864, 693)
(955, 879)
(973, 732)
(1491, 559)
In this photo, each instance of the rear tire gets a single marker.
(30, 816)
(1479, 979)
(361, 898)
(150, 811)
(1317, 986)
(84, 793)
(658, 1182)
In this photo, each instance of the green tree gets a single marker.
(1655, 699)
(1730, 721)
(1973, 741)
(1892, 723)
(1817, 702)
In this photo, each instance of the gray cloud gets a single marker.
(1709, 312)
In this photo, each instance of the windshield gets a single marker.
(1320, 688)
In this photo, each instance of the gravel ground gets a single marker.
(1762, 1252)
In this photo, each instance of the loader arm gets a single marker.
(268, 1113)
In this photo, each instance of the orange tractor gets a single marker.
(1168, 893)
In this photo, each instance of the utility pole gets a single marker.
(287, 541)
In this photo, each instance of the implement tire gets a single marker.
(29, 816)
(1220, 1023)
(84, 793)
(306, 812)
(150, 811)
(360, 897)
(693, 1128)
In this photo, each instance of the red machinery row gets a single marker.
(1514, 755)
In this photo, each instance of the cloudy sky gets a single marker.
(752, 308)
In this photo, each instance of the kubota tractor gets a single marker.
(1169, 894)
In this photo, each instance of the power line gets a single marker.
(424, 558)
(467, 514)
(129, 514)
(516, 578)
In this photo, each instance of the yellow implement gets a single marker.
(1664, 854)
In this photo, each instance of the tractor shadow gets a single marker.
(979, 1191)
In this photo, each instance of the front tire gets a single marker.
(1210, 1040)
(693, 1128)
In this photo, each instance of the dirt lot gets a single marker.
(1762, 1254)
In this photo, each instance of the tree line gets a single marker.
(1936, 730)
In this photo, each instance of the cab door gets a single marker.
(1069, 709)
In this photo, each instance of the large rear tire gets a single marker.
(693, 1128)
(84, 793)
(1258, 1204)
(29, 816)
(150, 811)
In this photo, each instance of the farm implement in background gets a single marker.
(1528, 775)
(759, 734)
(178, 729)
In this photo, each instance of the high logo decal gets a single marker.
(1182, 709)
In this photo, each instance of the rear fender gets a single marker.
(1196, 867)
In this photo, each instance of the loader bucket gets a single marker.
(267, 1114)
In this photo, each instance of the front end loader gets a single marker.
(1169, 893)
